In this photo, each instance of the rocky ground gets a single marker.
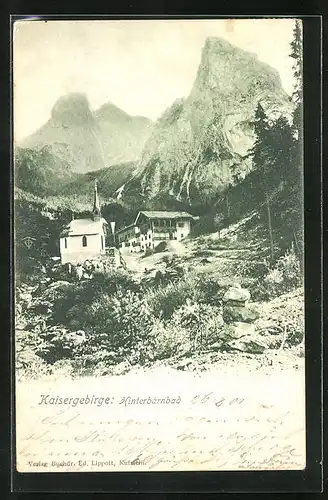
(242, 398)
(261, 335)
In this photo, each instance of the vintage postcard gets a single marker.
(158, 220)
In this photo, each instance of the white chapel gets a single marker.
(84, 239)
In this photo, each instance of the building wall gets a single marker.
(150, 234)
(76, 252)
(129, 238)
(183, 229)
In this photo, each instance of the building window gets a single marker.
(84, 241)
(102, 242)
(180, 224)
(65, 242)
(181, 234)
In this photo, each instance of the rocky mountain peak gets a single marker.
(231, 70)
(72, 108)
(88, 140)
(201, 142)
(109, 111)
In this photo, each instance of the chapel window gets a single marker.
(84, 241)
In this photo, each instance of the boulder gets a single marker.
(247, 314)
(58, 284)
(250, 343)
(54, 290)
(237, 330)
(236, 294)
(216, 346)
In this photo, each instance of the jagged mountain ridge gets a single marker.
(200, 142)
(89, 141)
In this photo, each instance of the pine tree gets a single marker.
(297, 150)
(261, 159)
(297, 55)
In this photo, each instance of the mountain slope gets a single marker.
(86, 140)
(109, 179)
(201, 142)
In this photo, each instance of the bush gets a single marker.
(164, 301)
(148, 251)
(161, 247)
(110, 283)
(69, 307)
(62, 344)
(170, 340)
(208, 290)
(29, 365)
(120, 323)
(203, 321)
(285, 276)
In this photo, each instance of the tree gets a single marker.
(297, 55)
(261, 158)
(297, 129)
(272, 156)
(218, 222)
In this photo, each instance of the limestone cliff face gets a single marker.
(88, 141)
(201, 141)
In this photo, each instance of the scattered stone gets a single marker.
(121, 368)
(182, 364)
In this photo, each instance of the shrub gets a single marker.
(69, 308)
(110, 283)
(164, 301)
(203, 253)
(120, 323)
(201, 241)
(285, 276)
(30, 366)
(161, 247)
(288, 265)
(170, 340)
(62, 344)
(148, 251)
(203, 321)
(208, 290)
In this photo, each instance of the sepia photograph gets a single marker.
(158, 245)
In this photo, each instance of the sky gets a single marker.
(141, 66)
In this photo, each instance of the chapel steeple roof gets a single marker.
(96, 204)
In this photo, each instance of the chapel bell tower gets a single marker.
(96, 205)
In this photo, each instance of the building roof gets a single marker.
(154, 214)
(125, 228)
(79, 227)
